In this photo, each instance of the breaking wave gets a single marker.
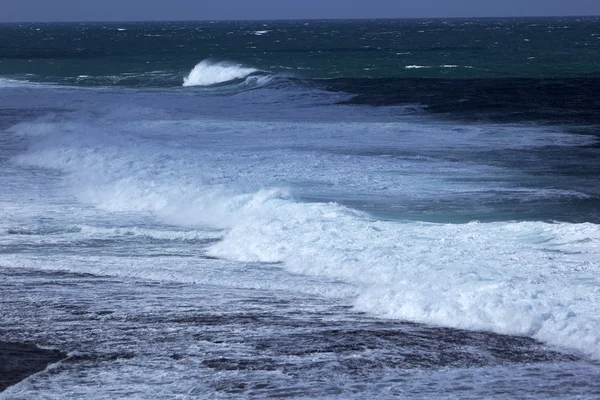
(537, 279)
(207, 73)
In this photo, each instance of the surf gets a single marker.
(209, 73)
(536, 279)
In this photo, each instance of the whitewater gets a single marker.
(527, 278)
(208, 73)
(233, 227)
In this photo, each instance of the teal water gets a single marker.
(157, 54)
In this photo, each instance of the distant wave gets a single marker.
(6, 82)
(430, 66)
(208, 73)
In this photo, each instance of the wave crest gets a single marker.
(207, 73)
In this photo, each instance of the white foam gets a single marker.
(208, 73)
(529, 278)
(133, 231)
(429, 66)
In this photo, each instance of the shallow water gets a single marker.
(134, 338)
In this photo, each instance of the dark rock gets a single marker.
(20, 360)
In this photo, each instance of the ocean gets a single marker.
(303, 209)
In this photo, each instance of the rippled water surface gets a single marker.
(307, 209)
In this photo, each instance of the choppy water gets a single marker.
(321, 209)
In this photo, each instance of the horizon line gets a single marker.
(293, 19)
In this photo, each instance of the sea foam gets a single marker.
(536, 279)
(523, 278)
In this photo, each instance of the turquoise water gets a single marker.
(157, 54)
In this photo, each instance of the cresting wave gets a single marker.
(207, 73)
(523, 278)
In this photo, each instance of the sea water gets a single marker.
(305, 209)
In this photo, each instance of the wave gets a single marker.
(430, 66)
(10, 82)
(509, 277)
(208, 73)
(205, 73)
(18, 83)
(565, 101)
(531, 279)
(535, 279)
